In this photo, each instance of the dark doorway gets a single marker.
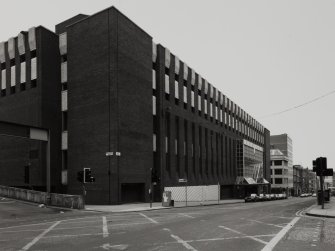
(132, 192)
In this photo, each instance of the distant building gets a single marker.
(328, 181)
(281, 163)
(304, 180)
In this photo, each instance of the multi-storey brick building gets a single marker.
(135, 114)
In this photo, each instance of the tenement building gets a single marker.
(126, 107)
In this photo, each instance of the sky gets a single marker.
(265, 55)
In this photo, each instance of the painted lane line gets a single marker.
(232, 230)
(19, 231)
(184, 243)
(256, 239)
(37, 238)
(274, 241)
(235, 237)
(28, 225)
(104, 227)
(186, 215)
(269, 224)
(147, 217)
(181, 241)
(247, 236)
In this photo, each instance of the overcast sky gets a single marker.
(266, 56)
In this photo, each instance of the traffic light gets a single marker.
(320, 167)
(88, 176)
(80, 176)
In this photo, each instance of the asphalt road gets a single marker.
(280, 225)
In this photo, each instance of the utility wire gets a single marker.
(298, 106)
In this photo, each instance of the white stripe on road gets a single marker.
(184, 243)
(280, 235)
(229, 229)
(147, 217)
(104, 227)
(256, 239)
(247, 236)
(261, 222)
(36, 239)
(186, 215)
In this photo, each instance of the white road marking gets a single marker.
(256, 239)
(229, 238)
(108, 246)
(232, 230)
(247, 236)
(147, 217)
(270, 224)
(184, 243)
(186, 215)
(104, 227)
(280, 235)
(36, 239)
(28, 225)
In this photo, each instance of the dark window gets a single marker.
(64, 160)
(12, 62)
(33, 54)
(64, 86)
(277, 162)
(22, 87)
(33, 83)
(278, 171)
(22, 58)
(64, 121)
(64, 58)
(26, 175)
(278, 181)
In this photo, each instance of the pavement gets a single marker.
(327, 212)
(138, 207)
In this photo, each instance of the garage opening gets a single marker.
(132, 192)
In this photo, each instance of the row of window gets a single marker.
(280, 181)
(212, 148)
(23, 68)
(279, 171)
(18, 44)
(203, 85)
(220, 116)
(279, 163)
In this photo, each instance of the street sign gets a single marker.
(182, 180)
(109, 154)
(328, 172)
(117, 153)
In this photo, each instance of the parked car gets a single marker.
(267, 196)
(251, 198)
(304, 195)
(272, 196)
(262, 197)
(314, 195)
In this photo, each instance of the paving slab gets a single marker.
(328, 211)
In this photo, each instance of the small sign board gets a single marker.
(182, 180)
(64, 177)
(117, 153)
(109, 153)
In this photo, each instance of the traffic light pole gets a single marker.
(322, 193)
